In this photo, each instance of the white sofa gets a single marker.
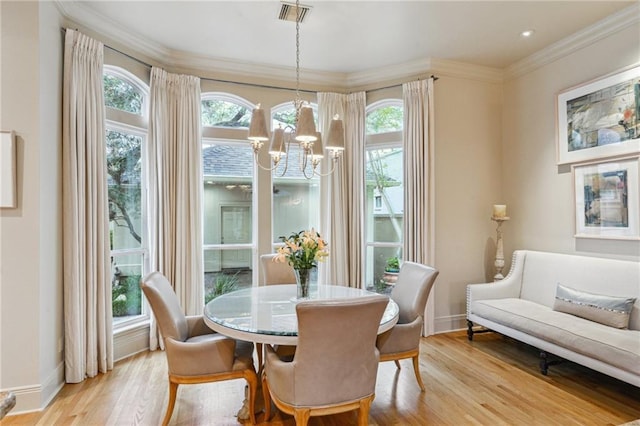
(522, 307)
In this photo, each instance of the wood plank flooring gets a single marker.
(493, 380)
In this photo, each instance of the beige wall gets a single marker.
(468, 182)
(539, 193)
(30, 273)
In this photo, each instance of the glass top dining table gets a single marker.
(267, 314)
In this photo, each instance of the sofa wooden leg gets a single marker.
(469, 330)
(545, 363)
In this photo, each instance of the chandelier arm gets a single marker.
(333, 167)
(287, 144)
(257, 162)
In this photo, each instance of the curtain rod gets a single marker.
(263, 86)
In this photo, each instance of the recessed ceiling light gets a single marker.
(527, 33)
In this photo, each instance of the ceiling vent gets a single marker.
(288, 12)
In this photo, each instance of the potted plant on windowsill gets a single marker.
(391, 270)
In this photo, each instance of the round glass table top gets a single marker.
(267, 314)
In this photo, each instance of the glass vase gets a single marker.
(303, 278)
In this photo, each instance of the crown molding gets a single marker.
(244, 71)
(95, 23)
(467, 71)
(585, 37)
(136, 44)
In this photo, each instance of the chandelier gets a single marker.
(303, 133)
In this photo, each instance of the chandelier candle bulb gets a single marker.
(499, 211)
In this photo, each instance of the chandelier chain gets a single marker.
(298, 102)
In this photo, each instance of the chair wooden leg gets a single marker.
(397, 363)
(252, 380)
(416, 369)
(363, 411)
(266, 397)
(259, 351)
(301, 416)
(173, 392)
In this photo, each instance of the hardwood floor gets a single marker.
(491, 381)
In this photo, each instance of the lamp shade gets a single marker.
(305, 127)
(316, 148)
(277, 146)
(335, 140)
(258, 127)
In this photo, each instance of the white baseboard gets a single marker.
(35, 398)
(450, 323)
(131, 341)
(53, 385)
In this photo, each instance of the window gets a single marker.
(228, 206)
(221, 110)
(295, 199)
(125, 99)
(384, 191)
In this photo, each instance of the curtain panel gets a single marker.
(418, 146)
(175, 187)
(86, 251)
(343, 202)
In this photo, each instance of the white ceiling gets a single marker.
(346, 36)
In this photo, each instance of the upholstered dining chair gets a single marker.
(335, 365)
(410, 292)
(276, 272)
(195, 353)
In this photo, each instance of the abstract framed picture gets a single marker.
(8, 194)
(599, 119)
(606, 199)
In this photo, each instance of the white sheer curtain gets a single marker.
(343, 203)
(418, 146)
(87, 287)
(175, 185)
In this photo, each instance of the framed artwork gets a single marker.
(7, 169)
(599, 119)
(606, 199)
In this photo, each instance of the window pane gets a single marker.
(385, 119)
(124, 168)
(227, 199)
(126, 271)
(122, 95)
(226, 270)
(385, 195)
(218, 113)
(296, 206)
(376, 261)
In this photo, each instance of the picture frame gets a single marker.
(8, 196)
(606, 199)
(599, 119)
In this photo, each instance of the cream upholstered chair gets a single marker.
(335, 364)
(410, 293)
(276, 272)
(195, 353)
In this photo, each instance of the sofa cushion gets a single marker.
(607, 310)
(618, 347)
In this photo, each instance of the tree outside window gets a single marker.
(124, 152)
(384, 192)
